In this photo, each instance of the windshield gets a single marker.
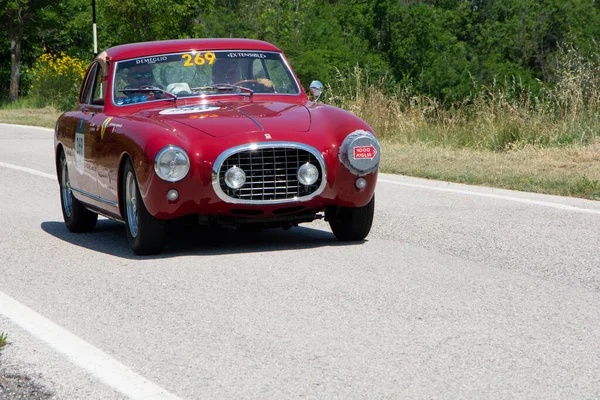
(201, 73)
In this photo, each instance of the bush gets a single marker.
(56, 79)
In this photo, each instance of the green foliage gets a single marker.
(587, 188)
(56, 79)
(5, 67)
(3, 340)
(442, 49)
(425, 52)
(147, 20)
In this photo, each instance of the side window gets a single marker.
(93, 92)
(89, 83)
(99, 89)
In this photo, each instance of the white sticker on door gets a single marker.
(79, 147)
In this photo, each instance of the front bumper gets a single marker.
(198, 194)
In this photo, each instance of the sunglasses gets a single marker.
(139, 75)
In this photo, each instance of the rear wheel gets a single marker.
(77, 217)
(351, 223)
(145, 234)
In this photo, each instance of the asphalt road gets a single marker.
(458, 292)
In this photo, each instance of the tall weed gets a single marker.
(497, 117)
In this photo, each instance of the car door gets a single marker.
(86, 137)
(106, 148)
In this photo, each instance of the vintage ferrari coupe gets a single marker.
(214, 132)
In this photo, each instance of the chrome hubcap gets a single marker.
(65, 187)
(131, 204)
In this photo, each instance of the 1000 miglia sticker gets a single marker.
(80, 146)
(365, 152)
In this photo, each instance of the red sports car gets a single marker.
(213, 131)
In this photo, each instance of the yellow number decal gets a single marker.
(210, 57)
(188, 62)
(199, 59)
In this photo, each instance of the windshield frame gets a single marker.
(293, 79)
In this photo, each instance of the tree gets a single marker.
(14, 16)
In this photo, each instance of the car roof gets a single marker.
(143, 49)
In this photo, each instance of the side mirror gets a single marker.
(316, 89)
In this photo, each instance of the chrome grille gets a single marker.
(271, 174)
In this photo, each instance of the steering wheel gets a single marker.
(151, 87)
(247, 81)
(257, 86)
(157, 94)
(253, 83)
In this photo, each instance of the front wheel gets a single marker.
(351, 223)
(77, 217)
(146, 235)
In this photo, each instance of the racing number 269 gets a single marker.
(199, 59)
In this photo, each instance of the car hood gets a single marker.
(220, 119)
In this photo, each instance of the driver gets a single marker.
(226, 70)
(140, 75)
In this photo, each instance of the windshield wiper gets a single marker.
(150, 89)
(222, 87)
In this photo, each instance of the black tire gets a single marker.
(351, 223)
(146, 235)
(77, 218)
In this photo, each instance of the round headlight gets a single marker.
(308, 174)
(235, 177)
(172, 164)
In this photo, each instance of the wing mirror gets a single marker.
(316, 89)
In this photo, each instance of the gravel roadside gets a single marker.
(19, 387)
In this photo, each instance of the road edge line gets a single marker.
(28, 170)
(83, 354)
(495, 196)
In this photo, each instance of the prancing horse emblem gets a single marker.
(267, 136)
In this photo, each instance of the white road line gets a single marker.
(99, 364)
(496, 196)
(28, 170)
(29, 127)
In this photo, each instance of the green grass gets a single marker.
(23, 113)
(568, 171)
(3, 340)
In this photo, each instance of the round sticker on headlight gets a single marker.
(360, 152)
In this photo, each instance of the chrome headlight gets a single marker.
(360, 152)
(235, 177)
(308, 174)
(172, 164)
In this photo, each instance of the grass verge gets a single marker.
(563, 171)
(45, 117)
